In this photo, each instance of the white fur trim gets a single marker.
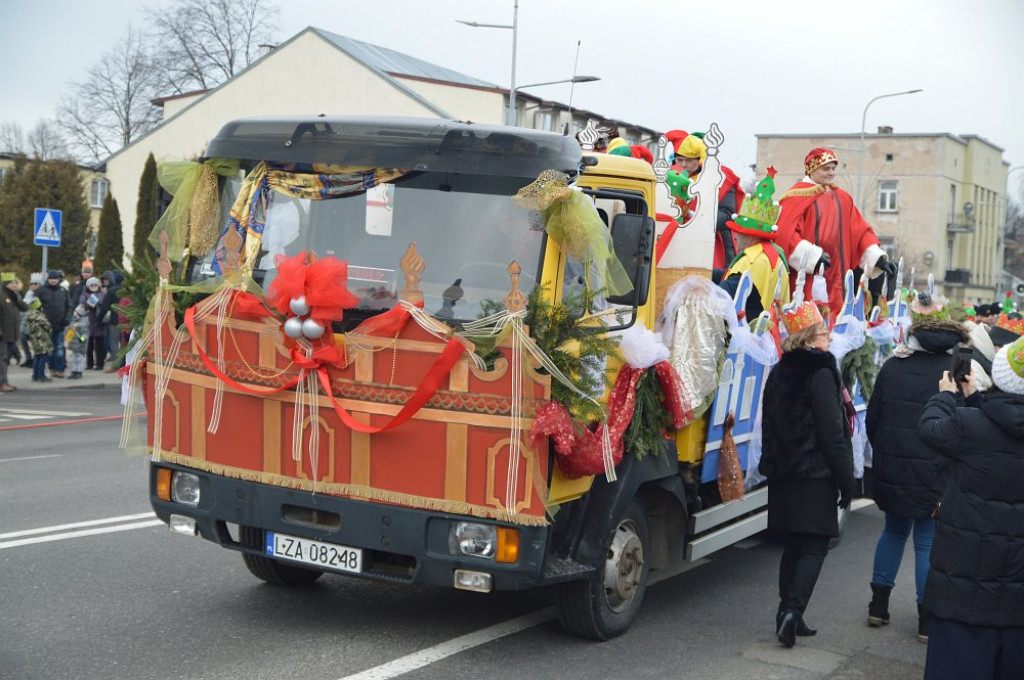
(870, 258)
(1003, 375)
(813, 255)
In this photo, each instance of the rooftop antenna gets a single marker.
(572, 88)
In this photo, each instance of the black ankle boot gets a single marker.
(878, 609)
(803, 630)
(922, 624)
(786, 632)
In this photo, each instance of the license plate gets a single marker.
(314, 553)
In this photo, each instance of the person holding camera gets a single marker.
(808, 460)
(975, 590)
(909, 476)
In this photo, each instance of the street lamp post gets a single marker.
(510, 112)
(574, 80)
(863, 123)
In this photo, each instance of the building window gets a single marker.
(887, 194)
(889, 157)
(888, 244)
(98, 193)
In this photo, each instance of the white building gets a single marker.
(320, 72)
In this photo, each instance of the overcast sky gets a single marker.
(753, 67)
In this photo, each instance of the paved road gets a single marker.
(92, 587)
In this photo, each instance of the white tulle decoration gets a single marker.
(642, 347)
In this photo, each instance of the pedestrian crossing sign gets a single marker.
(47, 227)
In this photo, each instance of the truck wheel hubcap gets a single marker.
(624, 567)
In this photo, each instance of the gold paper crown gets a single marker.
(823, 157)
(798, 318)
(1014, 325)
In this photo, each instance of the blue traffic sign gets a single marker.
(47, 228)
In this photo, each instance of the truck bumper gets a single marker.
(399, 544)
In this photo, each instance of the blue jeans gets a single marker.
(57, 360)
(889, 551)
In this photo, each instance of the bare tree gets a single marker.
(44, 141)
(12, 138)
(113, 105)
(204, 42)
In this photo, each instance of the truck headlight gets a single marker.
(185, 488)
(489, 541)
(470, 538)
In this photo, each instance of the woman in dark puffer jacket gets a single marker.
(909, 477)
(808, 460)
(975, 591)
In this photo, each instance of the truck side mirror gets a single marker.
(633, 244)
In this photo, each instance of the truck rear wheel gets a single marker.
(272, 571)
(604, 605)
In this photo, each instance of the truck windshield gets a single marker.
(465, 227)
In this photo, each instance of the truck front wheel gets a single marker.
(604, 605)
(272, 571)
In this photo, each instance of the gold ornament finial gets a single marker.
(412, 268)
(163, 263)
(515, 301)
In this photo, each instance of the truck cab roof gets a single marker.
(422, 144)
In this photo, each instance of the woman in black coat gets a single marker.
(909, 476)
(807, 458)
(975, 591)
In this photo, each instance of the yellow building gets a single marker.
(94, 186)
(936, 200)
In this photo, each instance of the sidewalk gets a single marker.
(21, 379)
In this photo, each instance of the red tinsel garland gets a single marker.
(578, 453)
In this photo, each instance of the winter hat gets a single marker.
(54, 274)
(760, 211)
(642, 152)
(926, 304)
(1008, 368)
(693, 147)
(675, 138)
(36, 277)
(92, 281)
(818, 157)
(7, 277)
(618, 143)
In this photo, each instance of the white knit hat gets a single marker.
(1008, 368)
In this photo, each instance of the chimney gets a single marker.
(885, 129)
(265, 49)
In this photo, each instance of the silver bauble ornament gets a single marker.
(299, 306)
(293, 327)
(312, 329)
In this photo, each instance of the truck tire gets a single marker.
(272, 571)
(604, 605)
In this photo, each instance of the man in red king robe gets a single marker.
(820, 220)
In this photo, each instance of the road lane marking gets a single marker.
(78, 534)
(49, 455)
(77, 525)
(23, 412)
(425, 657)
(64, 422)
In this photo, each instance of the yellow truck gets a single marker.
(354, 386)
